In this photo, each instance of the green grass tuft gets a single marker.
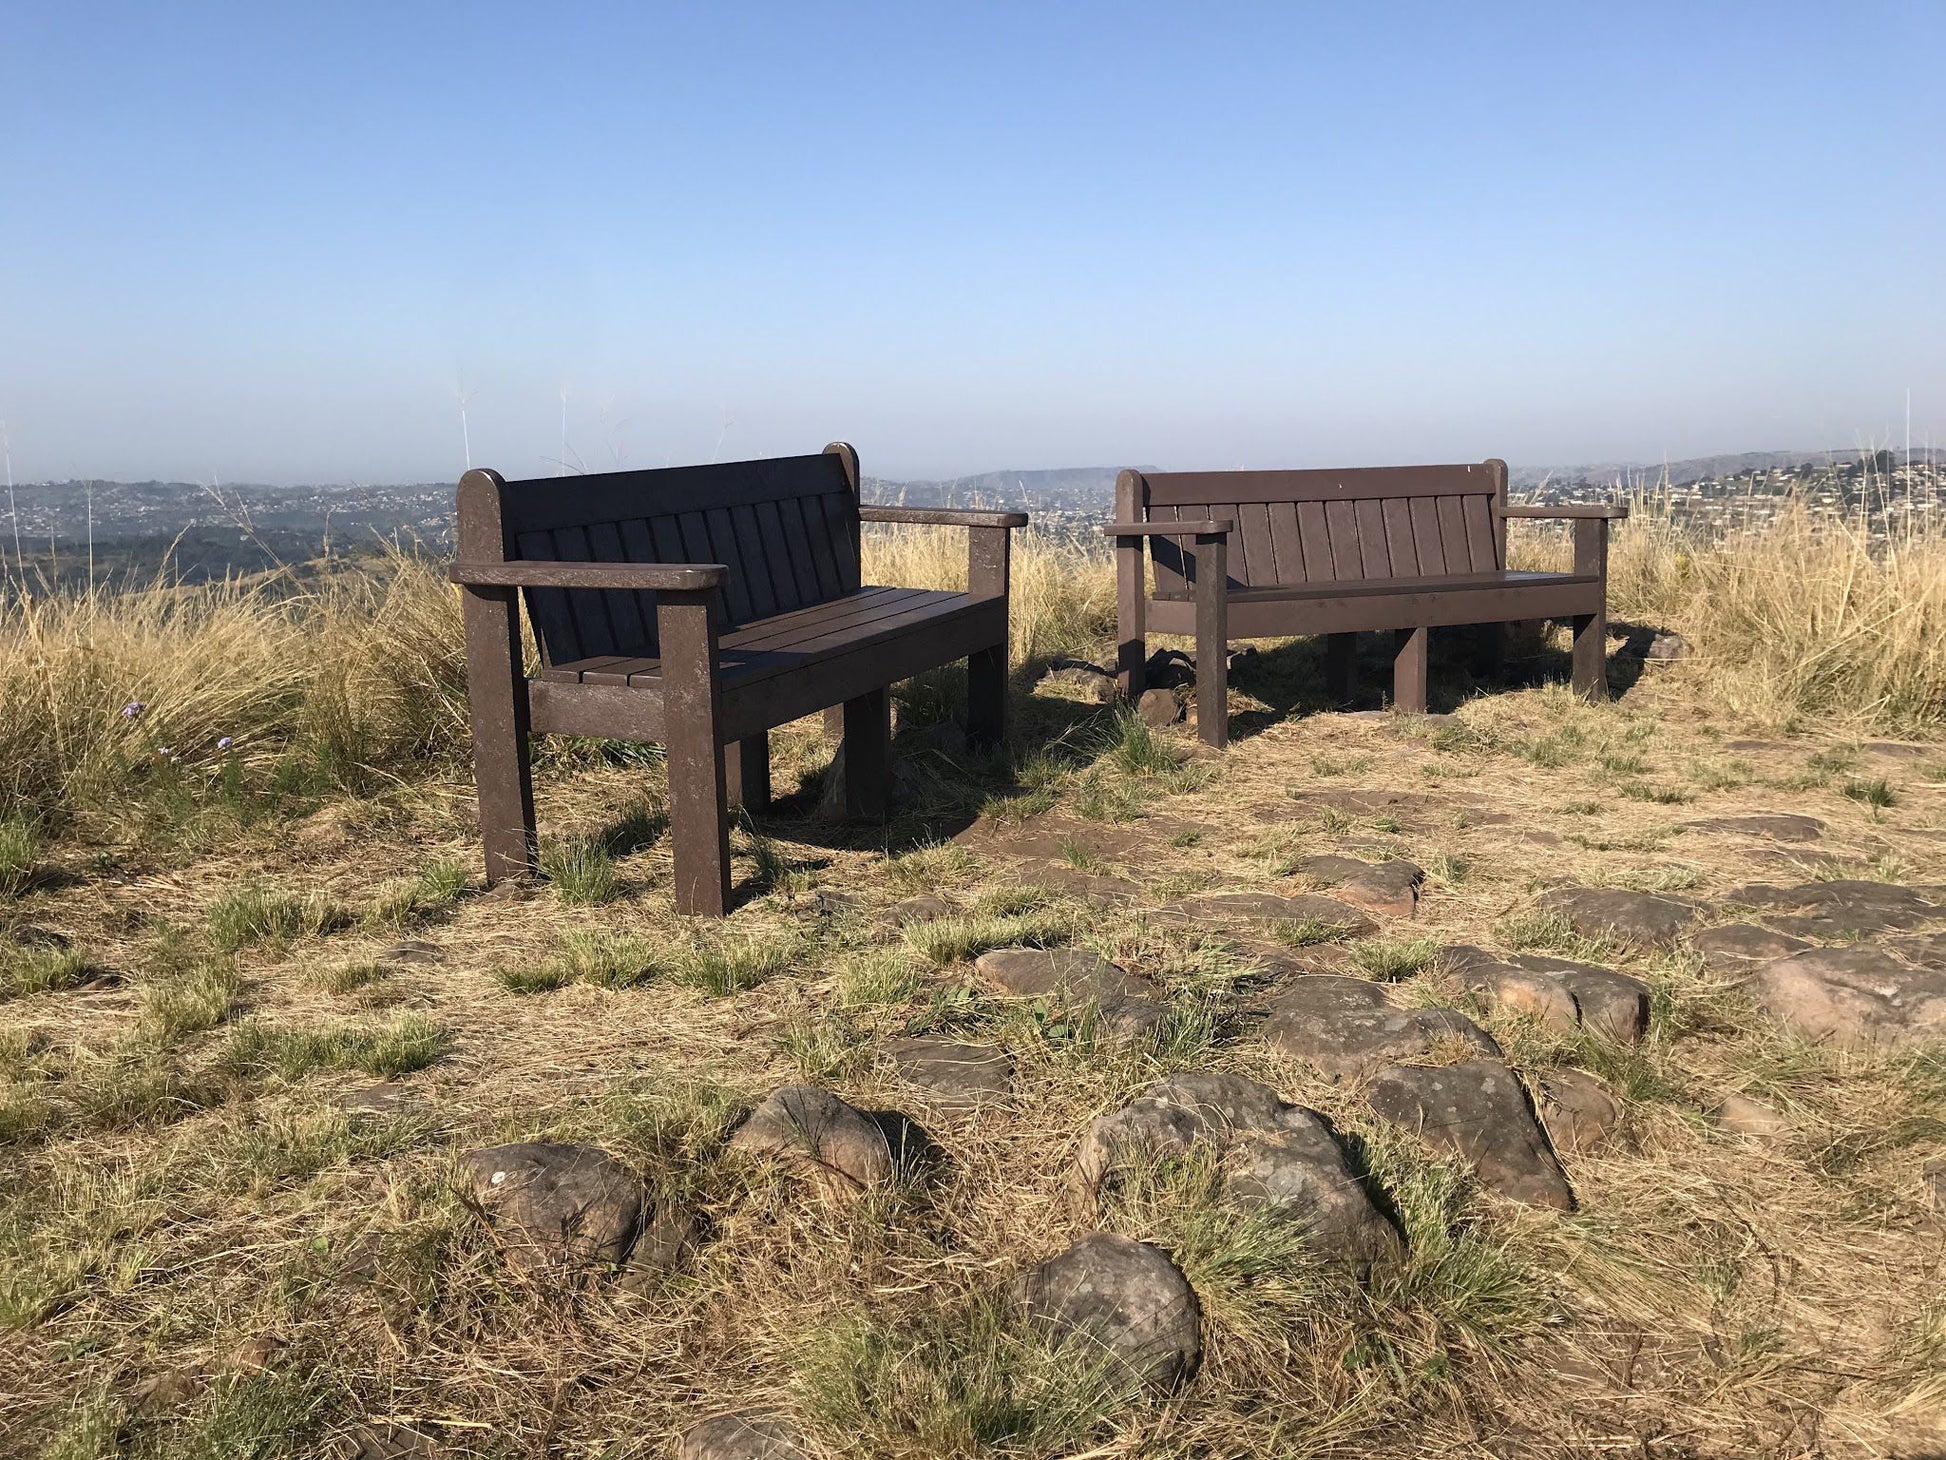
(581, 869)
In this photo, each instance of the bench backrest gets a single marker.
(1298, 527)
(786, 528)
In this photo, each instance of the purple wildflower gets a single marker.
(225, 743)
(132, 709)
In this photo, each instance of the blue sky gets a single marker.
(279, 243)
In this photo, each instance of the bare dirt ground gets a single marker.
(241, 1081)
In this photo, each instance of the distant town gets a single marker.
(131, 531)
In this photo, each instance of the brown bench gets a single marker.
(699, 607)
(1271, 554)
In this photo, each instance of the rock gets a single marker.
(1081, 680)
(1928, 950)
(1841, 909)
(958, 1076)
(1617, 912)
(1559, 992)
(1742, 1116)
(827, 902)
(1897, 750)
(1576, 1111)
(1346, 1028)
(1265, 907)
(1390, 887)
(1479, 1110)
(751, 1434)
(667, 1241)
(921, 909)
(1733, 947)
(1093, 888)
(813, 1128)
(557, 1205)
(412, 951)
(388, 1441)
(1652, 645)
(1159, 708)
(1126, 1296)
(27, 935)
(1169, 669)
(1125, 1003)
(1856, 995)
(1933, 1176)
(1271, 1153)
(1781, 826)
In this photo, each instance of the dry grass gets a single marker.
(188, 1178)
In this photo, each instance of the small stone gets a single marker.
(1856, 995)
(1779, 826)
(411, 951)
(1742, 1116)
(1390, 887)
(751, 1434)
(957, 1075)
(1080, 680)
(1617, 912)
(1897, 750)
(1126, 1004)
(1159, 708)
(383, 1101)
(1346, 1028)
(1272, 1153)
(1126, 1296)
(829, 903)
(1647, 643)
(1733, 947)
(921, 909)
(557, 1205)
(1094, 888)
(1576, 1111)
(388, 1441)
(1478, 1109)
(1266, 907)
(815, 1129)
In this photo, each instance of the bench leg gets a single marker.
(986, 696)
(746, 766)
(868, 756)
(1591, 654)
(1409, 671)
(699, 821)
(1340, 659)
(496, 698)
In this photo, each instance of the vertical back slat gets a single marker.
(588, 605)
(1171, 572)
(1370, 517)
(1347, 563)
(777, 552)
(723, 549)
(1398, 537)
(840, 519)
(1314, 536)
(1285, 549)
(756, 562)
(1426, 536)
(1256, 565)
(553, 621)
(1452, 535)
(624, 613)
(1478, 512)
(638, 546)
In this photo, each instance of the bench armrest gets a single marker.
(1570, 511)
(940, 516)
(1215, 527)
(664, 577)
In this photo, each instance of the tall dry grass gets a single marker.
(1803, 618)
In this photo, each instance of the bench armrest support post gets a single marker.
(1213, 638)
(686, 622)
(497, 710)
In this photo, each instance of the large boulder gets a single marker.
(1780, 826)
(813, 1129)
(1855, 995)
(1345, 1027)
(1266, 907)
(1123, 1295)
(1842, 909)
(1126, 1004)
(1734, 948)
(1560, 992)
(1618, 913)
(1271, 1153)
(555, 1205)
(1478, 1109)
(956, 1075)
(751, 1434)
(1390, 887)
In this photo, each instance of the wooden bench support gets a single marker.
(746, 764)
(1591, 630)
(1213, 640)
(699, 824)
(496, 696)
(868, 756)
(1409, 671)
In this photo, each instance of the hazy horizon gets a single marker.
(280, 247)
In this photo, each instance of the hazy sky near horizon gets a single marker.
(275, 243)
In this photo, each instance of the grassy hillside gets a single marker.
(255, 1007)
